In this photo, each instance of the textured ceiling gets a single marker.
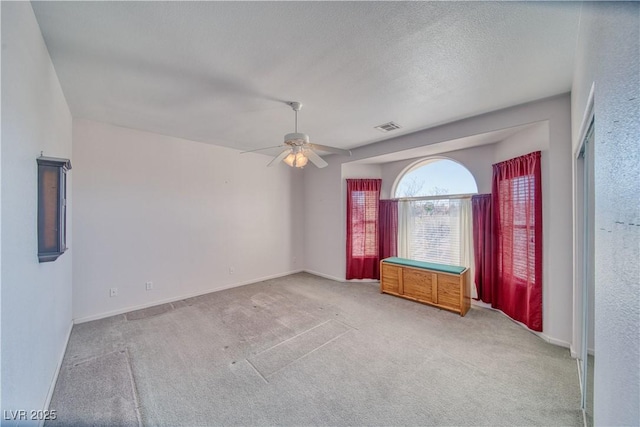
(220, 72)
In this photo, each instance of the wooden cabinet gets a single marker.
(446, 287)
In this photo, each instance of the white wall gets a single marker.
(608, 55)
(325, 215)
(323, 228)
(533, 138)
(557, 220)
(36, 298)
(177, 213)
(357, 171)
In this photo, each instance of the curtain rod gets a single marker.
(420, 198)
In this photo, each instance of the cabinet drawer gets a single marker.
(391, 277)
(418, 284)
(449, 291)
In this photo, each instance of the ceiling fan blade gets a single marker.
(279, 157)
(260, 149)
(330, 149)
(315, 159)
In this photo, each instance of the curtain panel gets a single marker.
(405, 228)
(483, 246)
(465, 236)
(363, 198)
(388, 228)
(517, 229)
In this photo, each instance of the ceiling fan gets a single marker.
(299, 150)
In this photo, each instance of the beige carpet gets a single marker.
(303, 350)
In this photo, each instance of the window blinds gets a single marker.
(433, 232)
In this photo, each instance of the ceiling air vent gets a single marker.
(388, 127)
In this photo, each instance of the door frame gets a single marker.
(583, 229)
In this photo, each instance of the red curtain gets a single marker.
(388, 228)
(363, 197)
(517, 223)
(483, 246)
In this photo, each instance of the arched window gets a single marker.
(436, 177)
(434, 224)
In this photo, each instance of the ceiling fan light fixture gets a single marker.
(296, 159)
(290, 159)
(301, 160)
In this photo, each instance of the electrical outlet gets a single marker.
(232, 270)
(148, 286)
(113, 292)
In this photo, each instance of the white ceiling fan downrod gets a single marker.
(296, 138)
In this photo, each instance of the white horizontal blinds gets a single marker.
(435, 231)
(364, 219)
(517, 210)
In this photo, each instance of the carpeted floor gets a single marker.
(303, 350)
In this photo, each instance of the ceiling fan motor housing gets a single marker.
(296, 138)
(296, 106)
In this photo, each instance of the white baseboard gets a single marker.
(542, 335)
(552, 340)
(54, 380)
(337, 279)
(481, 304)
(575, 355)
(362, 281)
(178, 298)
(326, 276)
